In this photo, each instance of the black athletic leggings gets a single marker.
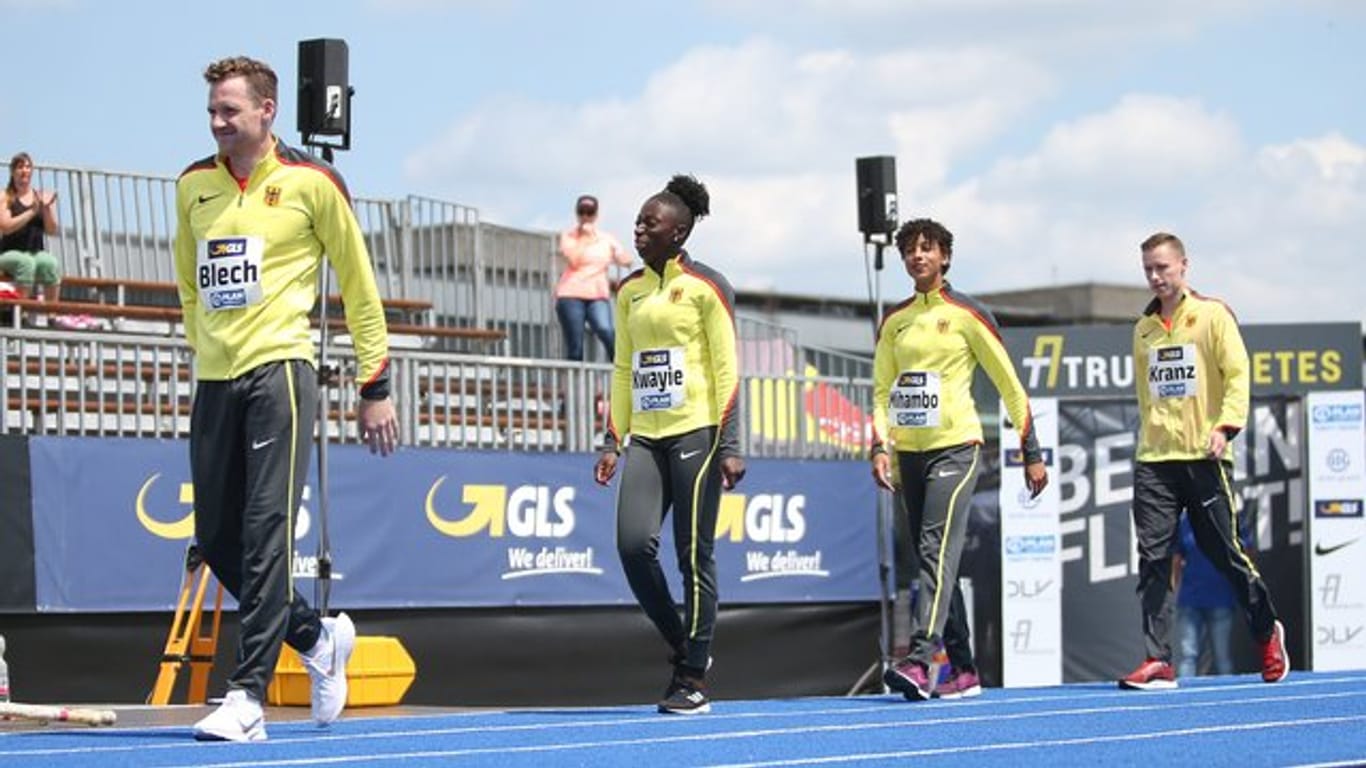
(682, 473)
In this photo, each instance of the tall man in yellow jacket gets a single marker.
(252, 225)
(1191, 371)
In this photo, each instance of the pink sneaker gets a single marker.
(960, 684)
(909, 677)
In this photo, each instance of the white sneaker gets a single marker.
(238, 718)
(326, 665)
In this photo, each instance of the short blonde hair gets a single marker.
(260, 77)
(1162, 238)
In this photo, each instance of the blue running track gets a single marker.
(1314, 719)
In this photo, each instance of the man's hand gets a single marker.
(378, 425)
(1218, 443)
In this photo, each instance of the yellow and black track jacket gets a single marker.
(1192, 377)
(927, 349)
(247, 258)
(676, 365)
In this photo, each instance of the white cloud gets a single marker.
(1148, 140)
(773, 130)
(1266, 227)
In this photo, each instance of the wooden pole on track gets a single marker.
(45, 713)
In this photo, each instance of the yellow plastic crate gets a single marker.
(378, 674)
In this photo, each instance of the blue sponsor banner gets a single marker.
(441, 528)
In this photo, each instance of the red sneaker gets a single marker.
(1275, 661)
(1151, 675)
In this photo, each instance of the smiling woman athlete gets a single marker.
(674, 392)
(927, 349)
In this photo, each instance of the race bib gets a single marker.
(914, 401)
(1172, 371)
(229, 271)
(657, 379)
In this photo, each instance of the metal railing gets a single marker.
(135, 385)
(475, 274)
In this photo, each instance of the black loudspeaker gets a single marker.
(876, 195)
(324, 94)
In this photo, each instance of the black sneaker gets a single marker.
(685, 696)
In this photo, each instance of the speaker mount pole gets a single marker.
(877, 208)
(324, 110)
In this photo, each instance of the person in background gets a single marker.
(1204, 608)
(675, 402)
(253, 223)
(27, 216)
(1192, 375)
(927, 350)
(583, 292)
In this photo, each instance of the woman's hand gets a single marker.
(732, 471)
(882, 470)
(605, 468)
(1036, 478)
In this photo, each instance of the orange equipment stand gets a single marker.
(186, 643)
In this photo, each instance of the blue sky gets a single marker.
(1050, 135)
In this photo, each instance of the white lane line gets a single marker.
(714, 736)
(1171, 698)
(880, 756)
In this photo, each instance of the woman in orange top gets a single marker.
(583, 292)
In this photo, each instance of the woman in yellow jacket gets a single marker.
(675, 385)
(927, 349)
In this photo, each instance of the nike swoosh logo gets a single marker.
(1209, 502)
(1319, 549)
(634, 299)
(685, 455)
(206, 198)
(947, 473)
(257, 445)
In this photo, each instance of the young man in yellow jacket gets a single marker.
(253, 223)
(1191, 371)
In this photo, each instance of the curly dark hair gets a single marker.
(933, 231)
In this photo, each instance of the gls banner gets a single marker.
(1337, 567)
(440, 528)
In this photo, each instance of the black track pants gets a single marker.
(250, 441)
